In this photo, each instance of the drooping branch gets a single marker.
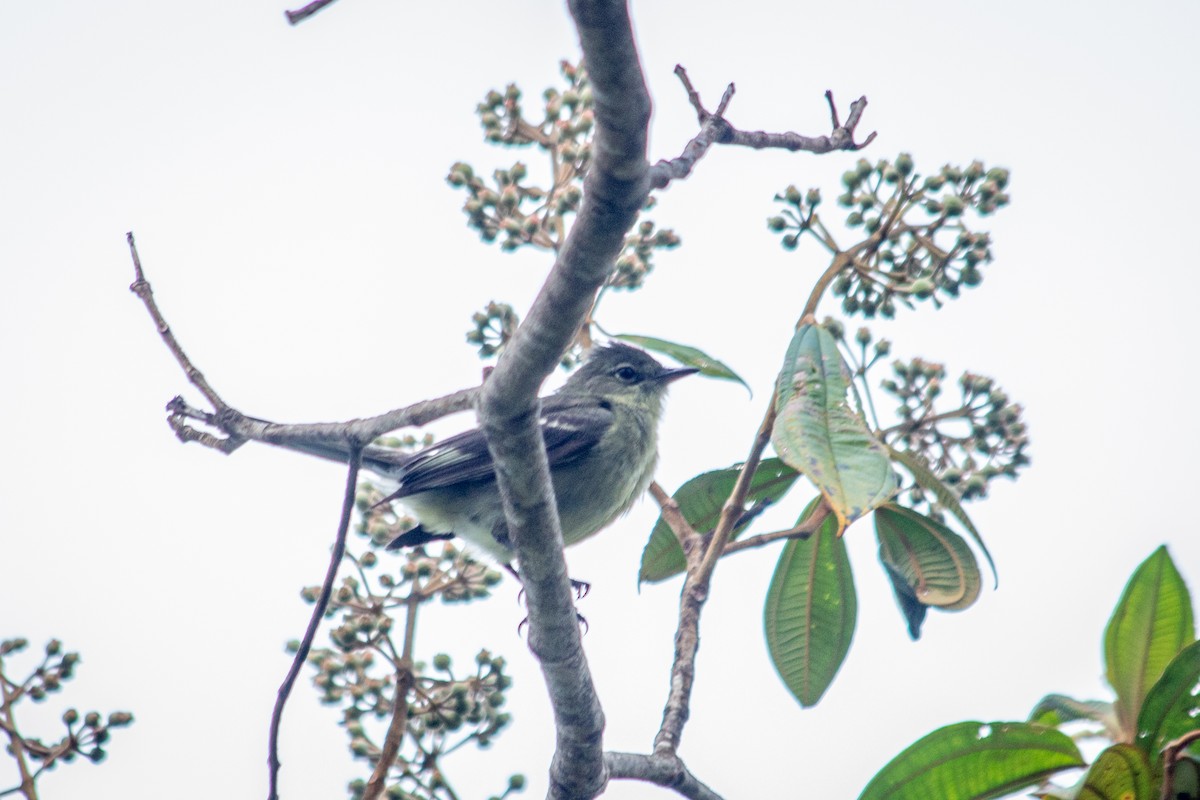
(335, 561)
(715, 129)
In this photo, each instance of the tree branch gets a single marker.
(330, 440)
(16, 741)
(399, 722)
(801, 531)
(688, 538)
(715, 129)
(1171, 754)
(314, 621)
(615, 189)
(694, 594)
(301, 14)
(667, 771)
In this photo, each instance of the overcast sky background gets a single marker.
(286, 186)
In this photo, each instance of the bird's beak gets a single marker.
(668, 375)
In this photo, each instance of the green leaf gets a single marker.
(1058, 709)
(700, 501)
(1172, 707)
(811, 610)
(974, 761)
(930, 482)
(688, 356)
(929, 564)
(1151, 624)
(1121, 772)
(818, 433)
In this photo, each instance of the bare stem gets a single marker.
(399, 723)
(1171, 755)
(694, 594)
(16, 742)
(314, 621)
(802, 531)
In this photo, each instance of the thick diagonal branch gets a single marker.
(614, 190)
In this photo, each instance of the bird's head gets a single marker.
(619, 372)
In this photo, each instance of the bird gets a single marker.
(601, 436)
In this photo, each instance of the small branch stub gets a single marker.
(715, 129)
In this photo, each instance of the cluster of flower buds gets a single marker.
(968, 446)
(916, 242)
(86, 733)
(494, 326)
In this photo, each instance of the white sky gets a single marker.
(286, 188)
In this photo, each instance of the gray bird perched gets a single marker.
(601, 435)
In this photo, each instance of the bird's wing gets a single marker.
(570, 428)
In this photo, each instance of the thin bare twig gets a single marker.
(16, 742)
(301, 14)
(715, 129)
(405, 677)
(695, 593)
(314, 621)
(687, 536)
(325, 439)
(141, 287)
(801, 531)
(1171, 755)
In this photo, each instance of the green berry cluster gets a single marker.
(494, 326)
(361, 669)
(967, 446)
(916, 240)
(635, 261)
(86, 733)
(526, 214)
(517, 211)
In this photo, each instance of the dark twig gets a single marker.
(687, 536)
(801, 531)
(335, 561)
(301, 14)
(141, 287)
(667, 771)
(715, 129)
(405, 677)
(1175, 750)
(701, 564)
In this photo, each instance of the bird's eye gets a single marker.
(627, 374)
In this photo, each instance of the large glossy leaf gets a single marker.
(700, 501)
(686, 355)
(946, 496)
(1058, 709)
(974, 761)
(934, 561)
(1172, 707)
(1151, 624)
(811, 611)
(818, 433)
(1119, 773)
